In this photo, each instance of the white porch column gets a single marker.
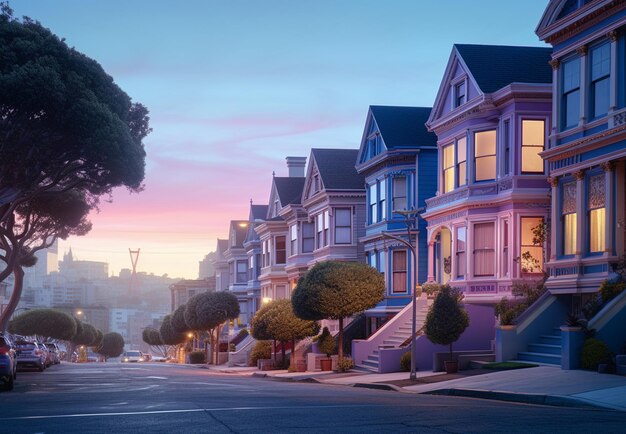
(431, 261)
(609, 205)
(554, 184)
(584, 97)
(580, 211)
(555, 63)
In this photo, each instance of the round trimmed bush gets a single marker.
(594, 352)
(261, 350)
(405, 362)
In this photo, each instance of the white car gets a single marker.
(132, 356)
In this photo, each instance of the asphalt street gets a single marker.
(160, 398)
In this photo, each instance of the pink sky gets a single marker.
(235, 87)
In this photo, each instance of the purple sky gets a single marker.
(233, 87)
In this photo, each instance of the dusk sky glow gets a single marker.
(233, 87)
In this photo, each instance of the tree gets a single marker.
(168, 335)
(152, 337)
(69, 136)
(87, 335)
(276, 320)
(208, 311)
(112, 345)
(178, 320)
(446, 319)
(46, 323)
(336, 290)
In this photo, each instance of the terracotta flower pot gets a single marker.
(452, 366)
(326, 364)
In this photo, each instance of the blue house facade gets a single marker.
(398, 158)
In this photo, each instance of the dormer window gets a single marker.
(460, 94)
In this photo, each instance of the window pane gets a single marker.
(531, 254)
(486, 168)
(448, 156)
(569, 234)
(533, 133)
(343, 216)
(484, 254)
(485, 143)
(600, 61)
(527, 226)
(399, 271)
(531, 160)
(596, 230)
(571, 75)
(600, 97)
(572, 108)
(461, 149)
(462, 174)
(342, 235)
(448, 180)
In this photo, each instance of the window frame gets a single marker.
(593, 82)
(522, 146)
(491, 249)
(293, 244)
(493, 156)
(530, 247)
(395, 197)
(337, 226)
(397, 270)
(451, 166)
(565, 93)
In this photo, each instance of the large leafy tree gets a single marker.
(336, 290)
(47, 323)
(276, 320)
(112, 345)
(446, 319)
(68, 134)
(169, 336)
(152, 337)
(208, 311)
(86, 335)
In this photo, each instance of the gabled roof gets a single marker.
(289, 189)
(258, 212)
(403, 127)
(222, 246)
(238, 228)
(496, 66)
(336, 168)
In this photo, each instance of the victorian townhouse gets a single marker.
(252, 246)
(237, 260)
(586, 157)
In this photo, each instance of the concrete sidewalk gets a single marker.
(545, 385)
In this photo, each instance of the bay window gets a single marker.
(448, 168)
(485, 155)
(568, 211)
(600, 58)
(531, 252)
(461, 259)
(343, 225)
(570, 100)
(399, 193)
(399, 259)
(533, 139)
(597, 213)
(484, 251)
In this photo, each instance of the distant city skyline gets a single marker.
(235, 87)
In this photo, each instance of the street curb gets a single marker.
(378, 386)
(537, 399)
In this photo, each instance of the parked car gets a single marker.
(46, 352)
(147, 357)
(55, 353)
(30, 354)
(92, 357)
(132, 356)
(8, 362)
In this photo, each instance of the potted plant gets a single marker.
(326, 344)
(446, 321)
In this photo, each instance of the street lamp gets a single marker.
(410, 218)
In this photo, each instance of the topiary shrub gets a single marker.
(405, 362)
(594, 352)
(431, 288)
(197, 357)
(345, 364)
(261, 350)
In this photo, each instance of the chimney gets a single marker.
(296, 166)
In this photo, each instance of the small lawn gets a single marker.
(505, 366)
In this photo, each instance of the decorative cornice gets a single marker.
(570, 149)
(553, 181)
(579, 175)
(582, 50)
(555, 63)
(608, 166)
(613, 35)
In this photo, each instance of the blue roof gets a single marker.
(336, 167)
(403, 127)
(496, 66)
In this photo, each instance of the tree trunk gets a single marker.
(282, 346)
(340, 338)
(18, 274)
(292, 359)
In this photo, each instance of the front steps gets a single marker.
(546, 351)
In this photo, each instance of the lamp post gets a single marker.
(410, 218)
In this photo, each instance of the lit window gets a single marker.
(343, 225)
(533, 137)
(568, 210)
(597, 213)
(485, 155)
(570, 102)
(448, 168)
(399, 271)
(399, 193)
(461, 261)
(484, 252)
(600, 58)
(460, 94)
(461, 161)
(531, 252)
